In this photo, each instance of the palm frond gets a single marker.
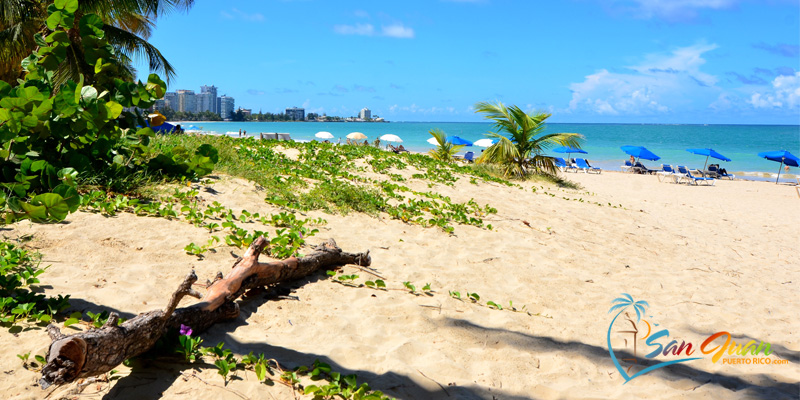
(135, 47)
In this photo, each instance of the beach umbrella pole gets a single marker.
(779, 172)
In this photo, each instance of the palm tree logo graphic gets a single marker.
(621, 304)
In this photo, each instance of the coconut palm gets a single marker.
(522, 150)
(445, 150)
(128, 25)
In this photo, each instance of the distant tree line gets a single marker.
(173, 115)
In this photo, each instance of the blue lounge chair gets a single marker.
(687, 176)
(469, 156)
(563, 166)
(714, 172)
(667, 172)
(584, 165)
(627, 167)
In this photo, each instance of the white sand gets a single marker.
(706, 259)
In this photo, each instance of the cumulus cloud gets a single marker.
(651, 87)
(784, 94)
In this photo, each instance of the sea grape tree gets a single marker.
(52, 132)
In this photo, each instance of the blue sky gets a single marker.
(628, 61)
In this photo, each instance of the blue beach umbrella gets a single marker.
(708, 153)
(783, 157)
(163, 128)
(458, 141)
(640, 152)
(569, 150)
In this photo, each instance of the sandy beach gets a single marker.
(706, 259)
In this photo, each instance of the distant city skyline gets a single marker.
(612, 61)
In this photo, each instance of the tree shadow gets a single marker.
(148, 379)
(771, 389)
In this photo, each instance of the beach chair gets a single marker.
(401, 149)
(628, 167)
(667, 174)
(640, 168)
(469, 156)
(584, 165)
(715, 172)
(563, 166)
(685, 175)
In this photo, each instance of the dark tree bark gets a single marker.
(98, 351)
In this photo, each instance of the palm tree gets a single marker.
(523, 149)
(445, 150)
(128, 25)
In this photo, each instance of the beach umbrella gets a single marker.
(708, 153)
(191, 128)
(783, 157)
(324, 135)
(356, 135)
(392, 138)
(640, 152)
(569, 150)
(458, 141)
(484, 142)
(433, 141)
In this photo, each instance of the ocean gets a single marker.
(740, 143)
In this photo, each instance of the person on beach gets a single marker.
(244, 133)
(633, 160)
(240, 132)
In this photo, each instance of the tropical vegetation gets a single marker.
(444, 151)
(522, 140)
(126, 25)
(52, 133)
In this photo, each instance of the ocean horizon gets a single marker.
(602, 141)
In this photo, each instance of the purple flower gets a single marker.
(186, 330)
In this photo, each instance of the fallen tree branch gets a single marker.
(97, 351)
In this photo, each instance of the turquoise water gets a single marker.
(740, 143)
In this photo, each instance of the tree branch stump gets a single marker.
(98, 351)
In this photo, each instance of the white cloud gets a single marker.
(396, 30)
(670, 10)
(241, 15)
(357, 29)
(655, 86)
(785, 93)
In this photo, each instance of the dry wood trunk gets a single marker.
(98, 351)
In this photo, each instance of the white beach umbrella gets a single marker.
(324, 135)
(433, 141)
(391, 138)
(356, 136)
(484, 142)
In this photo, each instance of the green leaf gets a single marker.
(71, 321)
(56, 208)
(261, 371)
(114, 109)
(70, 195)
(71, 6)
(54, 19)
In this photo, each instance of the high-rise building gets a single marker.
(365, 114)
(213, 91)
(206, 102)
(225, 106)
(187, 102)
(171, 100)
(296, 114)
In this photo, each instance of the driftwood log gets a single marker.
(98, 351)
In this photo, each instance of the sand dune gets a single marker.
(706, 259)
